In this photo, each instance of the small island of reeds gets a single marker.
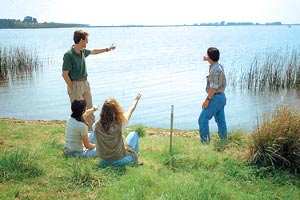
(17, 63)
(274, 71)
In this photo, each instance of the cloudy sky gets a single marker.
(124, 12)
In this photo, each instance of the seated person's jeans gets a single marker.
(87, 153)
(132, 141)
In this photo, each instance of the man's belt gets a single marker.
(81, 79)
(218, 93)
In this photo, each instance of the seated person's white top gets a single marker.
(76, 134)
(75, 131)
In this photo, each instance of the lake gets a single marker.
(163, 63)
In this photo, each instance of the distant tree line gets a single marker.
(223, 23)
(31, 22)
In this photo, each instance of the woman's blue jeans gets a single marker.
(215, 109)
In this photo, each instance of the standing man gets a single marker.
(75, 73)
(213, 105)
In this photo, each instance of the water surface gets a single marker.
(163, 63)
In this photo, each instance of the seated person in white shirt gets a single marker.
(77, 142)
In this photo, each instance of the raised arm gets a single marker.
(128, 114)
(89, 112)
(97, 51)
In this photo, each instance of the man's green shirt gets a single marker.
(75, 64)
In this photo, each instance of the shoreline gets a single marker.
(149, 26)
(150, 130)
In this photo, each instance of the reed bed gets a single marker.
(273, 72)
(17, 62)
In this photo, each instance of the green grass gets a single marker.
(193, 171)
(17, 165)
(140, 129)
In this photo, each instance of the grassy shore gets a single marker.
(32, 166)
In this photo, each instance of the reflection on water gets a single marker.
(164, 64)
(17, 64)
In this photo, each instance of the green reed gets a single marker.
(272, 72)
(17, 62)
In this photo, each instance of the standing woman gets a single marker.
(76, 134)
(111, 147)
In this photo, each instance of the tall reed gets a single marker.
(17, 62)
(272, 72)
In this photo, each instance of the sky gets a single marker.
(149, 12)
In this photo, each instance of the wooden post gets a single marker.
(171, 127)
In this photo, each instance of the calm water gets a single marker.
(164, 64)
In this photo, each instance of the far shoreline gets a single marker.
(152, 26)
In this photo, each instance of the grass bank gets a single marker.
(32, 166)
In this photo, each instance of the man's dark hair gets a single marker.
(78, 35)
(213, 53)
(78, 108)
